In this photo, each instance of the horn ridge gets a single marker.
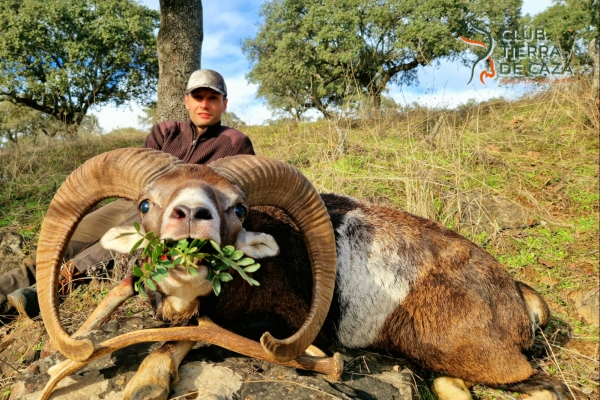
(267, 181)
(117, 173)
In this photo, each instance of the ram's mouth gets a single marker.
(205, 248)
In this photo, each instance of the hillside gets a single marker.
(518, 178)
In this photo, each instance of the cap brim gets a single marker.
(190, 90)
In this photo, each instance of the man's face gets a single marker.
(205, 107)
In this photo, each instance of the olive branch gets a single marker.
(161, 257)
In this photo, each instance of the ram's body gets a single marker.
(403, 284)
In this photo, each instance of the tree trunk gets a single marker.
(593, 50)
(72, 121)
(377, 101)
(179, 45)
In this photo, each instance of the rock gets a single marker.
(20, 347)
(213, 381)
(88, 386)
(586, 304)
(12, 240)
(210, 372)
(17, 391)
(403, 381)
(493, 212)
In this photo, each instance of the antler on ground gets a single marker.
(115, 297)
(206, 331)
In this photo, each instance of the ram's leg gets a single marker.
(206, 331)
(314, 351)
(115, 297)
(540, 386)
(158, 371)
(446, 388)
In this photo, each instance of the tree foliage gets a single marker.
(18, 121)
(232, 120)
(316, 53)
(570, 24)
(60, 57)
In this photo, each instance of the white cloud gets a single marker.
(111, 117)
(243, 101)
(225, 26)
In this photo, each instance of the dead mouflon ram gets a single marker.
(333, 270)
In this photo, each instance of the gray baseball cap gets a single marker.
(206, 78)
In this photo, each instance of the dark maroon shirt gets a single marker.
(216, 141)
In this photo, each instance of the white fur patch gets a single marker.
(256, 245)
(185, 287)
(113, 239)
(372, 277)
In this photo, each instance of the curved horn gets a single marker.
(267, 181)
(119, 173)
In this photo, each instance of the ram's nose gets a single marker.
(191, 214)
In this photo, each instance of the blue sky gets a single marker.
(226, 26)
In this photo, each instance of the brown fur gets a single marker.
(464, 316)
(462, 313)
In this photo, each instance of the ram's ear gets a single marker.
(121, 239)
(256, 245)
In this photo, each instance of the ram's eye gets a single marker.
(144, 206)
(241, 211)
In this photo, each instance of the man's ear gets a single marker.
(256, 245)
(115, 240)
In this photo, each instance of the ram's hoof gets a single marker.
(150, 392)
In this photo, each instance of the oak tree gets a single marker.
(318, 53)
(60, 57)
(570, 25)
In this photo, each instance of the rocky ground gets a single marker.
(209, 372)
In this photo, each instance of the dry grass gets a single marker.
(540, 153)
(32, 170)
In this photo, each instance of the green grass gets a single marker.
(540, 152)
(31, 171)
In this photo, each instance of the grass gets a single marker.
(32, 170)
(540, 153)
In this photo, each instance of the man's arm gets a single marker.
(243, 146)
(155, 139)
(231, 143)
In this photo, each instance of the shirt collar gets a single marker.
(209, 131)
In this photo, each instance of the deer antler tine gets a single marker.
(115, 297)
(206, 331)
(325, 365)
(60, 371)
